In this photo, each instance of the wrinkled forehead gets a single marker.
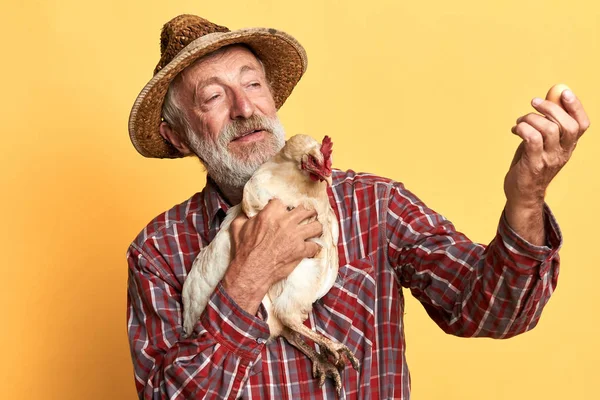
(218, 62)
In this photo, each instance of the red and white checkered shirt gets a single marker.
(388, 240)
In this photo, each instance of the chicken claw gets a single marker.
(340, 354)
(323, 368)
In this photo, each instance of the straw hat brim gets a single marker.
(283, 57)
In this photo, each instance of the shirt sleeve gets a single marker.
(470, 289)
(214, 364)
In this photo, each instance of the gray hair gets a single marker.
(172, 112)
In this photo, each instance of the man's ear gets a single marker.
(173, 137)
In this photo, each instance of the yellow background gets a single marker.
(422, 92)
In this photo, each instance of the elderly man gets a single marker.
(215, 94)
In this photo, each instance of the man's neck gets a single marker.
(233, 195)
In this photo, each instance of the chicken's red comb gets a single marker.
(326, 147)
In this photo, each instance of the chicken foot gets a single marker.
(337, 351)
(321, 366)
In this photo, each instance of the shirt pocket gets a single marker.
(346, 312)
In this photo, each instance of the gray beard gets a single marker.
(232, 171)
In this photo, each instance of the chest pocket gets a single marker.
(346, 312)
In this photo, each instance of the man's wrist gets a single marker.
(527, 220)
(247, 291)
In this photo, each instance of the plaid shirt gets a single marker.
(389, 239)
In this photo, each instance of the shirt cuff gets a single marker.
(525, 255)
(234, 328)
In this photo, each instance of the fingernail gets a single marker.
(536, 101)
(568, 95)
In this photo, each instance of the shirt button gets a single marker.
(261, 340)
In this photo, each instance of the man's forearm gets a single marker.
(247, 292)
(527, 222)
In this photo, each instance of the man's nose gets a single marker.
(242, 106)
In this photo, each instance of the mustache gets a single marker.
(239, 127)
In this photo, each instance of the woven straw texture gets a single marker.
(187, 38)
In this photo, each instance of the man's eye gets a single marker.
(213, 97)
(254, 84)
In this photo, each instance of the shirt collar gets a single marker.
(214, 200)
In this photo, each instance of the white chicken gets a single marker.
(297, 175)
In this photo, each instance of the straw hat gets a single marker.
(186, 38)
